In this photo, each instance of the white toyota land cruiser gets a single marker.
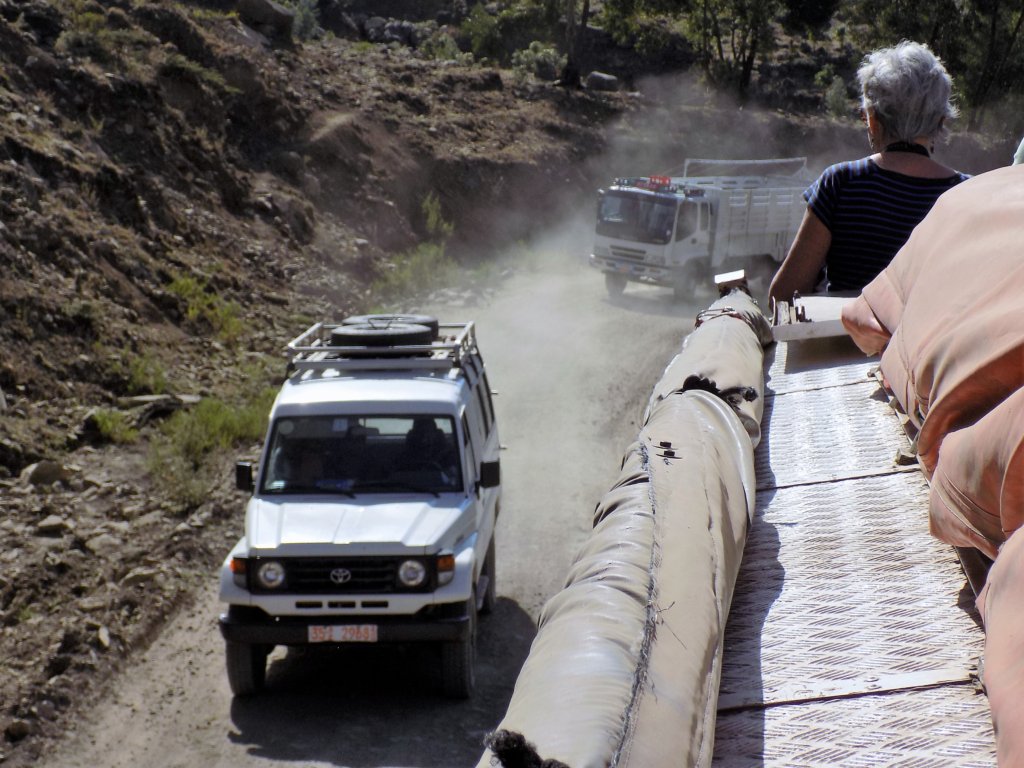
(374, 502)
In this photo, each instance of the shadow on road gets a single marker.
(372, 706)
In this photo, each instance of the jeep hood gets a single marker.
(310, 527)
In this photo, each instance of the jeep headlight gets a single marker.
(270, 575)
(657, 260)
(445, 569)
(412, 573)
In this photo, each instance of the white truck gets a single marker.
(719, 216)
(374, 501)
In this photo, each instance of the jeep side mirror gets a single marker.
(243, 476)
(490, 474)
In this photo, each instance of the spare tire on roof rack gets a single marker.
(372, 335)
(385, 321)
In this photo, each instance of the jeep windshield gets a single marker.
(637, 216)
(365, 454)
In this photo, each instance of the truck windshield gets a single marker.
(635, 216)
(364, 454)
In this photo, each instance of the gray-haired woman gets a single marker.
(861, 212)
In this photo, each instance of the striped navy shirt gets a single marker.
(870, 212)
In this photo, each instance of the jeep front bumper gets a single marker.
(447, 622)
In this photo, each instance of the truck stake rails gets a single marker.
(374, 502)
(678, 231)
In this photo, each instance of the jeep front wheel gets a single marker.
(458, 661)
(247, 667)
(491, 590)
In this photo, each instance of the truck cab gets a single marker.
(677, 231)
(374, 502)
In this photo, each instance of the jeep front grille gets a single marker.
(340, 576)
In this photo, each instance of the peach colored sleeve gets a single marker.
(885, 297)
(1001, 604)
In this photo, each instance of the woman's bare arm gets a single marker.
(803, 263)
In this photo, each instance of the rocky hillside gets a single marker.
(182, 187)
(179, 192)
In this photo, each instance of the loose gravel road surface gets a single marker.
(573, 371)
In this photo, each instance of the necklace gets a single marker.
(906, 146)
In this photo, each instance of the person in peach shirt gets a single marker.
(947, 317)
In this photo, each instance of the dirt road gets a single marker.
(573, 372)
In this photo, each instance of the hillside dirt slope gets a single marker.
(178, 197)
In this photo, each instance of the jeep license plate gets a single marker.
(347, 633)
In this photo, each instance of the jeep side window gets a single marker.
(486, 386)
(485, 417)
(470, 454)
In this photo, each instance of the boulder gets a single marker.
(599, 81)
(268, 18)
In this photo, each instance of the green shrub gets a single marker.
(481, 29)
(418, 271)
(837, 103)
(224, 318)
(178, 66)
(307, 18)
(437, 227)
(540, 60)
(823, 77)
(186, 458)
(146, 375)
(115, 426)
(499, 37)
(441, 46)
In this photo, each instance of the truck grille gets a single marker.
(627, 253)
(340, 576)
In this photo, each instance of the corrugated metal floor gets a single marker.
(852, 638)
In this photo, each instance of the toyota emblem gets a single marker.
(341, 575)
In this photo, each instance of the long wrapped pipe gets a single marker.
(625, 667)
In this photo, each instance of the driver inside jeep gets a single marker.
(371, 454)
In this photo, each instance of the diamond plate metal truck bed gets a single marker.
(852, 639)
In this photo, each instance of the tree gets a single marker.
(730, 35)
(978, 40)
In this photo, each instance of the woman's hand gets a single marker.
(864, 328)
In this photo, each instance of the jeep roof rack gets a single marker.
(312, 350)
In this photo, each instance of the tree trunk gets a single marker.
(570, 75)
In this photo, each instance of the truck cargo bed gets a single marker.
(852, 639)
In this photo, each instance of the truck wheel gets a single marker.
(491, 591)
(615, 283)
(247, 667)
(385, 321)
(458, 661)
(682, 293)
(371, 335)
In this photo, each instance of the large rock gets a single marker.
(599, 81)
(268, 18)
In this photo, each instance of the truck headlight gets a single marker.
(412, 573)
(270, 575)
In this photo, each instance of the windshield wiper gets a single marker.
(324, 487)
(398, 485)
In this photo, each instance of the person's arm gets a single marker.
(864, 327)
(803, 263)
